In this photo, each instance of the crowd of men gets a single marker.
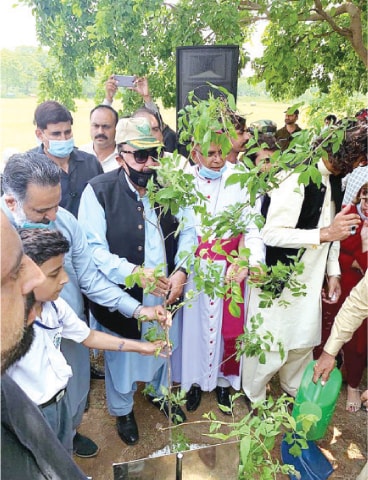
(95, 198)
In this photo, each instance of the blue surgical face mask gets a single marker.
(21, 220)
(51, 225)
(61, 148)
(211, 174)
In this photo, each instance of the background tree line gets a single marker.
(23, 67)
(316, 45)
(20, 70)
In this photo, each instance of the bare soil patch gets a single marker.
(345, 444)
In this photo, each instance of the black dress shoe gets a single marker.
(97, 374)
(84, 447)
(127, 428)
(223, 398)
(177, 414)
(193, 398)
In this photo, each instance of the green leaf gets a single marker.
(234, 309)
(245, 443)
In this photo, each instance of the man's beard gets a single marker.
(19, 215)
(21, 348)
(22, 221)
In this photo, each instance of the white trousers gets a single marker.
(255, 376)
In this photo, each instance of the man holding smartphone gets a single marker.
(160, 130)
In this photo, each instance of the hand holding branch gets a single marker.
(160, 285)
(158, 313)
(177, 282)
(152, 348)
(236, 273)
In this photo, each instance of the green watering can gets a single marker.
(313, 398)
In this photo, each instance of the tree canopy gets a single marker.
(308, 43)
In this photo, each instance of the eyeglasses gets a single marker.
(142, 156)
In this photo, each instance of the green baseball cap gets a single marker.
(136, 132)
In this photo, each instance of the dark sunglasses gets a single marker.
(141, 156)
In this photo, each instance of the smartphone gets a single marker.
(125, 80)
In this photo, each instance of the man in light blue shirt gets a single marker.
(32, 193)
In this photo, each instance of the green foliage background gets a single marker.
(99, 37)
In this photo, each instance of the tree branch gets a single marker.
(354, 33)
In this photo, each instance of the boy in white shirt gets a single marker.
(43, 372)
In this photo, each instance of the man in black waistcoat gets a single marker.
(127, 235)
(301, 220)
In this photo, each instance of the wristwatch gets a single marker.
(183, 270)
(137, 312)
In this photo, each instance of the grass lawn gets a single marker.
(17, 129)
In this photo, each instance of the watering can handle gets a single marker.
(317, 391)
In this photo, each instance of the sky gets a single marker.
(17, 25)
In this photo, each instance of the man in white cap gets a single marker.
(126, 233)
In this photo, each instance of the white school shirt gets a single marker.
(43, 371)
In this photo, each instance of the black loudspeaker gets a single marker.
(195, 66)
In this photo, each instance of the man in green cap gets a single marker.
(285, 134)
(127, 235)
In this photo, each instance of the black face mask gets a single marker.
(140, 178)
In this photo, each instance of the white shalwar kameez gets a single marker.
(298, 325)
